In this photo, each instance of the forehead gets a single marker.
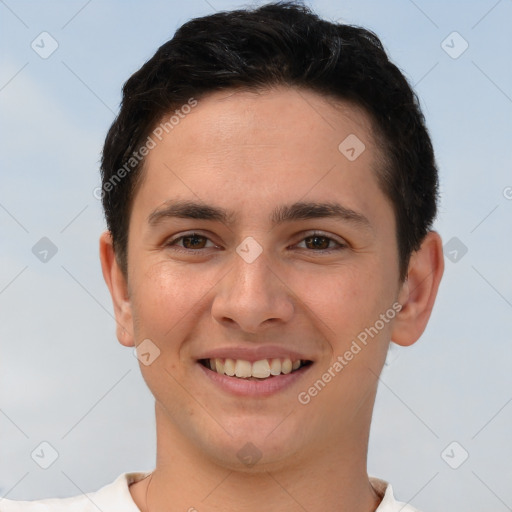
(270, 118)
(252, 149)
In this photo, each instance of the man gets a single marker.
(269, 188)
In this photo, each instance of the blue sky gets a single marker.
(66, 380)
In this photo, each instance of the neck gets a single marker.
(333, 479)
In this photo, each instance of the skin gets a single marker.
(250, 152)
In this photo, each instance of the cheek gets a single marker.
(351, 306)
(348, 299)
(162, 303)
(164, 296)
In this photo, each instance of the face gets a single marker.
(258, 247)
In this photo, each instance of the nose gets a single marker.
(252, 296)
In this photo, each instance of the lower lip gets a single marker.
(254, 388)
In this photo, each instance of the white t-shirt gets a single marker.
(116, 497)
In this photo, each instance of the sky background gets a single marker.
(64, 378)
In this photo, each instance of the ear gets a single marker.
(118, 286)
(419, 290)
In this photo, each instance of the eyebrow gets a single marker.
(286, 213)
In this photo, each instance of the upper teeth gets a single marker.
(260, 369)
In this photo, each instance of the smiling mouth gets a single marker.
(258, 370)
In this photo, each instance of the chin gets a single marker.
(255, 445)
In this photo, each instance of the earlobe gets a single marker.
(419, 290)
(118, 287)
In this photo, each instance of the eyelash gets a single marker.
(340, 245)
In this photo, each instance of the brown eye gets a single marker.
(317, 242)
(193, 241)
(190, 242)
